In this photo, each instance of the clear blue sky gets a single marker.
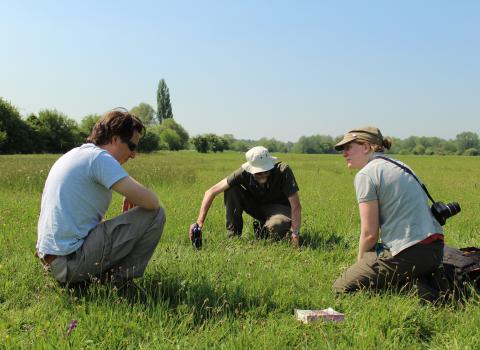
(278, 69)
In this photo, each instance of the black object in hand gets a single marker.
(197, 237)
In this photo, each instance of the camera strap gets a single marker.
(407, 170)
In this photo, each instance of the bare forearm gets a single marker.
(206, 203)
(369, 228)
(366, 243)
(136, 193)
(208, 198)
(148, 200)
(296, 218)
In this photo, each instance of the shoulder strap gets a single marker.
(407, 170)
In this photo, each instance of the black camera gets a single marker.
(197, 237)
(442, 211)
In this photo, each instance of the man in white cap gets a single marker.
(264, 188)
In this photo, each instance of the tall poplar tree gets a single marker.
(164, 107)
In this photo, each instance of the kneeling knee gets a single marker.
(160, 216)
(339, 287)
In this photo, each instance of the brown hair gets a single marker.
(386, 144)
(115, 123)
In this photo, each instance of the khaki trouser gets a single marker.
(275, 217)
(121, 246)
(384, 271)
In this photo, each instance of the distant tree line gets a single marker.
(465, 143)
(53, 132)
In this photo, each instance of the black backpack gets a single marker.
(461, 269)
(457, 278)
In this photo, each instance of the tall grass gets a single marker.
(235, 293)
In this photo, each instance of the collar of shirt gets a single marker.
(261, 189)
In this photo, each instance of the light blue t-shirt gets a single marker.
(76, 197)
(405, 217)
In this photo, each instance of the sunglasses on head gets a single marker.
(120, 109)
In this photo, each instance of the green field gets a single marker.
(235, 293)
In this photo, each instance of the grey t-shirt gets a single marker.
(405, 217)
(75, 198)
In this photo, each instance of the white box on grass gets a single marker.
(308, 316)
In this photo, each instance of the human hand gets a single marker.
(295, 239)
(192, 226)
(190, 231)
(127, 205)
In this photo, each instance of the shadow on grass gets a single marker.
(429, 290)
(203, 298)
(323, 240)
(184, 296)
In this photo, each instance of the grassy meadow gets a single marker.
(234, 293)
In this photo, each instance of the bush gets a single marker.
(419, 150)
(36, 136)
(149, 142)
(59, 133)
(172, 139)
(182, 134)
(16, 135)
(217, 143)
(3, 137)
(145, 113)
(274, 145)
(171, 135)
(314, 144)
(429, 151)
(467, 140)
(200, 143)
(87, 124)
(210, 142)
(241, 145)
(471, 152)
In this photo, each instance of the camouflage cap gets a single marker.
(367, 133)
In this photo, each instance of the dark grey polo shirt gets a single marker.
(280, 185)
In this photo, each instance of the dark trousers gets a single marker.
(276, 218)
(385, 271)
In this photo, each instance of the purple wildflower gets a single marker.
(72, 326)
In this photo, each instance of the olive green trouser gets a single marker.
(119, 249)
(276, 218)
(386, 271)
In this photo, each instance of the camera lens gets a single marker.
(453, 208)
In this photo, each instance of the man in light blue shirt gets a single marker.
(74, 242)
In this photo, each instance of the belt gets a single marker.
(46, 259)
(433, 238)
